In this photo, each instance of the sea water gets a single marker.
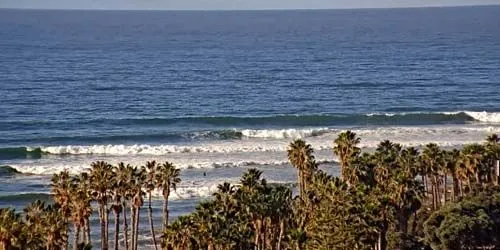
(219, 92)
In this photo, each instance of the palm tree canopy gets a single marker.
(167, 176)
(300, 153)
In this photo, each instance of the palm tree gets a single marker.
(472, 158)
(451, 167)
(150, 185)
(492, 147)
(167, 178)
(136, 202)
(409, 161)
(493, 139)
(116, 207)
(34, 213)
(252, 195)
(346, 148)
(432, 159)
(61, 186)
(301, 157)
(55, 228)
(123, 179)
(101, 176)
(11, 228)
(80, 208)
(84, 207)
(281, 208)
(178, 235)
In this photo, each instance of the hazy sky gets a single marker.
(232, 4)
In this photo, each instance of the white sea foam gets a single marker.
(484, 116)
(385, 114)
(145, 149)
(370, 137)
(226, 154)
(284, 133)
(79, 165)
(189, 191)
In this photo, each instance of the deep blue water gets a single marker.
(84, 77)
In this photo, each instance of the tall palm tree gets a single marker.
(252, 195)
(167, 178)
(101, 176)
(346, 148)
(149, 185)
(492, 147)
(116, 206)
(136, 202)
(409, 161)
(432, 159)
(55, 228)
(281, 208)
(11, 228)
(123, 181)
(301, 157)
(84, 207)
(472, 158)
(80, 208)
(451, 165)
(61, 186)
(33, 214)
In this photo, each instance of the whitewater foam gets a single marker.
(484, 116)
(278, 142)
(285, 133)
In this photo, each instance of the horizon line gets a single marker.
(257, 9)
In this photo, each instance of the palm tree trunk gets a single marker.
(383, 236)
(86, 233)
(257, 234)
(125, 226)
(103, 227)
(423, 182)
(106, 226)
(456, 187)
(461, 189)
(77, 237)
(445, 188)
(165, 209)
(150, 213)
(280, 236)
(414, 224)
(132, 224)
(299, 182)
(433, 198)
(302, 189)
(438, 193)
(117, 229)
(137, 211)
(426, 185)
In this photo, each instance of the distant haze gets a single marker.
(232, 4)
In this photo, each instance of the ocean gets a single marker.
(219, 92)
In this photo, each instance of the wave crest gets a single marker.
(484, 116)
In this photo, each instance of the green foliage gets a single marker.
(252, 214)
(473, 222)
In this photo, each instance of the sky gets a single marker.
(232, 4)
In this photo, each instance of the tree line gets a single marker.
(114, 190)
(394, 197)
